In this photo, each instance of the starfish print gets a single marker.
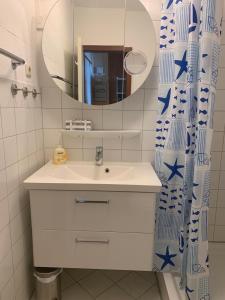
(182, 64)
(165, 101)
(167, 258)
(174, 169)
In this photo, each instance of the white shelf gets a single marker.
(102, 133)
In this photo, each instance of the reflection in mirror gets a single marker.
(90, 48)
(105, 81)
(135, 62)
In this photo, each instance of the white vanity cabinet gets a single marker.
(91, 229)
(97, 217)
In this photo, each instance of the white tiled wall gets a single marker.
(21, 149)
(217, 196)
(137, 112)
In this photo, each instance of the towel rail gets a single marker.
(16, 60)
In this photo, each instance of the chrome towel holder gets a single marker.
(16, 60)
(25, 91)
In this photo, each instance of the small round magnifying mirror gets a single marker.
(135, 62)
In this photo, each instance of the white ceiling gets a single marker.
(129, 4)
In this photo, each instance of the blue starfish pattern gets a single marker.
(182, 64)
(174, 169)
(167, 258)
(165, 101)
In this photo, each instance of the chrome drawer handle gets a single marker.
(92, 241)
(91, 202)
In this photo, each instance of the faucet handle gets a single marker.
(99, 156)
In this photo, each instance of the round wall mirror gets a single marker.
(99, 52)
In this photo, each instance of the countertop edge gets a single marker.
(92, 187)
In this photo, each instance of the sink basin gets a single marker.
(108, 172)
(87, 176)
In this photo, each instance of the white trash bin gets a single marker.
(48, 283)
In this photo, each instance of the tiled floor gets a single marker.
(109, 285)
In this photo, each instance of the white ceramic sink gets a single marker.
(87, 176)
(108, 172)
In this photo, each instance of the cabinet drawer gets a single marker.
(97, 250)
(93, 211)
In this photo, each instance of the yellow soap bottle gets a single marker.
(60, 155)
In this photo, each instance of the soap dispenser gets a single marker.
(60, 155)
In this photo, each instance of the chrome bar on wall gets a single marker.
(16, 60)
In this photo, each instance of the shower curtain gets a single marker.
(189, 49)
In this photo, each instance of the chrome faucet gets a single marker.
(99, 156)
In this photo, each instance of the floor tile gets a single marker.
(66, 281)
(96, 283)
(78, 274)
(152, 294)
(114, 293)
(134, 285)
(149, 276)
(115, 275)
(76, 292)
(109, 285)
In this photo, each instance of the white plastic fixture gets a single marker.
(102, 133)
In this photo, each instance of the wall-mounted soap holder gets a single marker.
(25, 91)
